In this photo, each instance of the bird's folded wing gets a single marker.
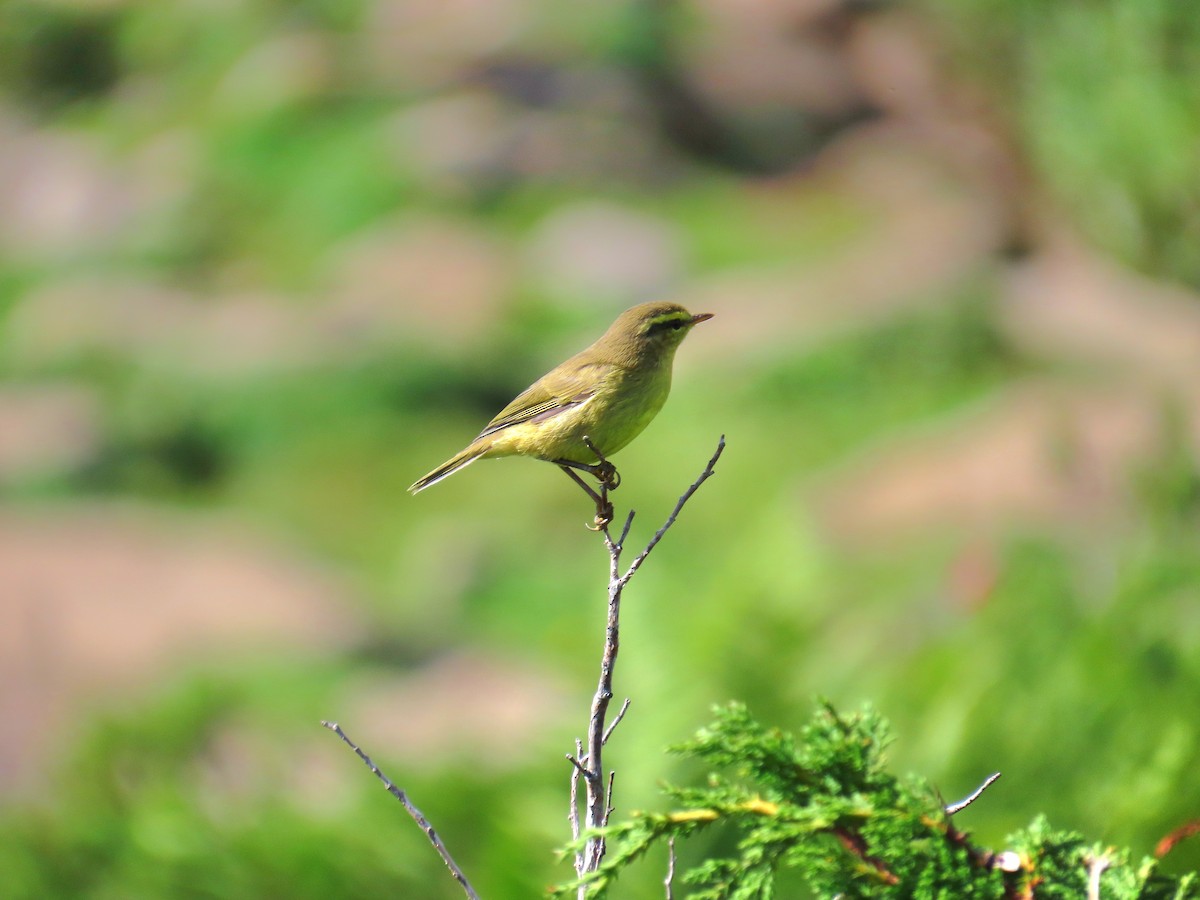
(540, 401)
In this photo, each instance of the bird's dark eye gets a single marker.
(663, 324)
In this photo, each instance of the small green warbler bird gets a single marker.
(588, 408)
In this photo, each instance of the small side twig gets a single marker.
(616, 721)
(573, 811)
(417, 816)
(612, 777)
(625, 529)
(687, 495)
(579, 767)
(952, 808)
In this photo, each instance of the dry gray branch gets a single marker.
(422, 822)
(598, 799)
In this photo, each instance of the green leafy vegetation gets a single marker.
(825, 804)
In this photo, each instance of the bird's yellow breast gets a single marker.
(624, 403)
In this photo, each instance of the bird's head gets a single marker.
(653, 329)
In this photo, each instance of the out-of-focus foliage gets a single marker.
(155, 811)
(264, 263)
(1103, 97)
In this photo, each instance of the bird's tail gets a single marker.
(448, 468)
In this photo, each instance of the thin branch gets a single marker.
(416, 814)
(602, 841)
(625, 530)
(608, 811)
(595, 800)
(573, 811)
(952, 808)
(597, 803)
(687, 495)
(670, 879)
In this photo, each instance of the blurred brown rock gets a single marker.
(780, 53)
(415, 44)
(96, 605)
(58, 193)
(912, 231)
(1068, 302)
(1043, 454)
(46, 428)
(162, 327)
(455, 142)
(122, 314)
(604, 250)
(418, 278)
(444, 713)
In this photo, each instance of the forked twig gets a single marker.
(598, 799)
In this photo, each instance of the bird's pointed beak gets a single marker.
(701, 317)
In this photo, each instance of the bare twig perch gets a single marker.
(597, 802)
(416, 814)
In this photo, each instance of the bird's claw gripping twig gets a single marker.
(606, 475)
(604, 508)
(604, 513)
(603, 471)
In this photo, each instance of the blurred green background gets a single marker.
(262, 264)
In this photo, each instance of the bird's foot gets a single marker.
(604, 508)
(603, 471)
(608, 476)
(604, 515)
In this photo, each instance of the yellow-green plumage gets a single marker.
(608, 393)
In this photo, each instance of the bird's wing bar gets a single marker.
(518, 412)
